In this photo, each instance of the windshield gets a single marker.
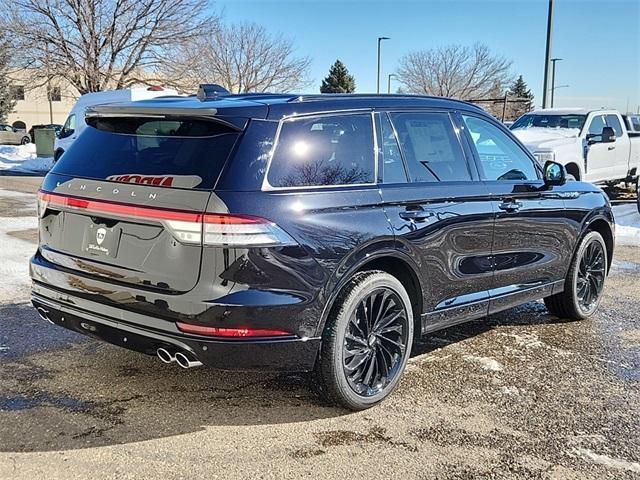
(549, 121)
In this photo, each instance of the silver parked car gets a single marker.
(12, 136)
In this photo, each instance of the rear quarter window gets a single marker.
(182, 153)
(323, 151)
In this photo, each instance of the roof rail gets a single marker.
(316, 97)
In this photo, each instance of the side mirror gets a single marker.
(608, 135)
(554, 174)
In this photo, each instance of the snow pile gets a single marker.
(540, 134)
(14, 267)
(627, 224)
(23, 158)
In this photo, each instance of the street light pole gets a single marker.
(547, 55)
(380, 39)
(553, 77)
(389, 82)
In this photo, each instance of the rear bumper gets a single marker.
(290, 354)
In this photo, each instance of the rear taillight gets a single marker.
(186, 227)
(230, 332)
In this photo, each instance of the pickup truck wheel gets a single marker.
(584, 283)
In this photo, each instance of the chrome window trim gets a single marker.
(267, 187)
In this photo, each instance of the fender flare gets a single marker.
(599, 214)
(383, 248)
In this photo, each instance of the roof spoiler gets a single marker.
(128, 110)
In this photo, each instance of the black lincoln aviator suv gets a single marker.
(315, 233)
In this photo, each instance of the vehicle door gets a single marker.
(599, 156)
(6, 134)
(619, 166)
(440, 212)
(532, 242)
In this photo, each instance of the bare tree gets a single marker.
(453, 71)
(98, 44)
(7, 102)
(241, 58)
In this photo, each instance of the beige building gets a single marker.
(32, 105)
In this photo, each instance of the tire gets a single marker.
(346, 346)
(25, 140)
(582, 291)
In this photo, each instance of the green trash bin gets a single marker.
(45, 139)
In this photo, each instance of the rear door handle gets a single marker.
(417, 215)
(510, 206)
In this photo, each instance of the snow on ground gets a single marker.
(486, 363)
(15, 253)
(617, 463)
(627, 224)
(22, 158)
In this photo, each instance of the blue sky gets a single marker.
(599, 40)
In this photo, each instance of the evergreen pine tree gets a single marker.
(339, 80)
(519, 89)
(6, 101)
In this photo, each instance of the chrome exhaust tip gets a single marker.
(165, 355)
(186, 360)
(44, 314)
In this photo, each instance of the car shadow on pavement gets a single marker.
(532, 313)
(60, 390)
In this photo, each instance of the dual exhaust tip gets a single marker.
(183, 359)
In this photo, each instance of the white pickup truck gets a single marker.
(593, 145)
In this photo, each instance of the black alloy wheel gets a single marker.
(590, 276)
(584, 284)
(375, 342)
(366, 342)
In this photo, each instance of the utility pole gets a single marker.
(380, 39)
(48, 72)
(547, 56)
(553, 78)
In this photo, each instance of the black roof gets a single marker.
(278, 105)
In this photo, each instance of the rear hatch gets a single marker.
(125, 203)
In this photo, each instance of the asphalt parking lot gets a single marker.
(518, 395)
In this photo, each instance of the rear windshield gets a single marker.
(178, 153)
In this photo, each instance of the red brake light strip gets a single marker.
(230, 332)
(138, 211)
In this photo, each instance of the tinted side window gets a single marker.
(597, 124)
(635, 121)
(613, 122)
(430, 147)
(331, 150)
(389, 151)
(500, 157)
